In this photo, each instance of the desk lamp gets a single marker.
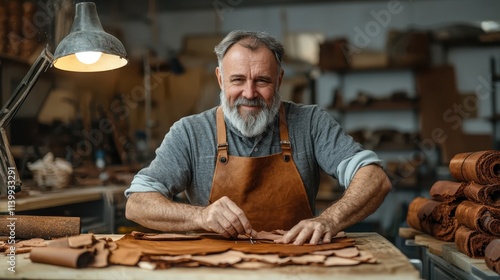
(87, 48)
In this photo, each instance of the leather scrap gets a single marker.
(447, 191)
(77, 251)
(472, 242)
(492, 256)
(60, 256)
(433, 217)
(483, 194)
(46, 227)
(482, 218)
(481, 167)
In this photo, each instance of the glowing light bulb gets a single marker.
(88, 57)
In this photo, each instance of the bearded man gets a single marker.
(253, 163)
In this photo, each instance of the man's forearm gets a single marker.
(360, 199)
(154, 211)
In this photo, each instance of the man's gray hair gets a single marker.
(251, 40)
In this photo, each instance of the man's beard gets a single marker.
(250, 124)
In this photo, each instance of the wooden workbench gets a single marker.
(392, 265)
(442, 259)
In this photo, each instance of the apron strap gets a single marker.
(286, 146)
(222, 146)
(221, 137)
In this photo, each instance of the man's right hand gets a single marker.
(226, 218)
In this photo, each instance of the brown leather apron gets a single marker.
(268, 189)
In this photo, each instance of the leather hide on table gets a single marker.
(482, 167)
(214, 250)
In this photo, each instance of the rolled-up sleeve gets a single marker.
(349, 166)
(144, 183)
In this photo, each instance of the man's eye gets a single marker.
(263, 82)
(237, 81)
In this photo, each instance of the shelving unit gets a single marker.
(382, 106)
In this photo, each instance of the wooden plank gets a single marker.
(60, 197)
(473, 266)
(434, 245)
(409, 233)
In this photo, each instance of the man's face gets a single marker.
(249, 82)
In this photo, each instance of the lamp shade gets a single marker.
(87, 35)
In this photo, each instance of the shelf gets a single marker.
(381, 106)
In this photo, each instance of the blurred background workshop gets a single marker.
(414, 81)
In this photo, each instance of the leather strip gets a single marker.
(221, 137)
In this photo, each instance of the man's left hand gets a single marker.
(316, 230)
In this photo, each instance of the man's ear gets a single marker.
(219, 77)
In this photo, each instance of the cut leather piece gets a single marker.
(483, 194)
(81, 240)
(350, 252)
(267, 258)
(482, 167)
(221, 260)
(433, 217)
(45, 227)
(252, 265)
(447, 191)
(163, 236)
(479, 217)
(472, 242)
(308, 259)
(67, 257)
(337, 261)
(492, 256)
(101, 254)
(124, 256)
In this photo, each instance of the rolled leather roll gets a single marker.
(447, 191)
(483, 194)
(46, 227)
(68, 257)
(492, 256)
(479, 217)
(482, 167)
(472, 242)
(433, 217)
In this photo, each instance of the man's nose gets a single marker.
(250, 90)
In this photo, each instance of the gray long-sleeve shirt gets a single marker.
(185, 160)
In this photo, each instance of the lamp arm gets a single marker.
(9, 109)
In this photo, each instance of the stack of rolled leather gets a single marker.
(479, 214)
(468, 210)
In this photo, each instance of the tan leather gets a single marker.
(492, 256)
(61, 256)
(433, 217)
(447, 191)
(487, 195)
(268, 189)
(482, 167)
(472, 242)
(479, 217)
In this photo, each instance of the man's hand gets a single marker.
(316, 230)
(226, 218)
